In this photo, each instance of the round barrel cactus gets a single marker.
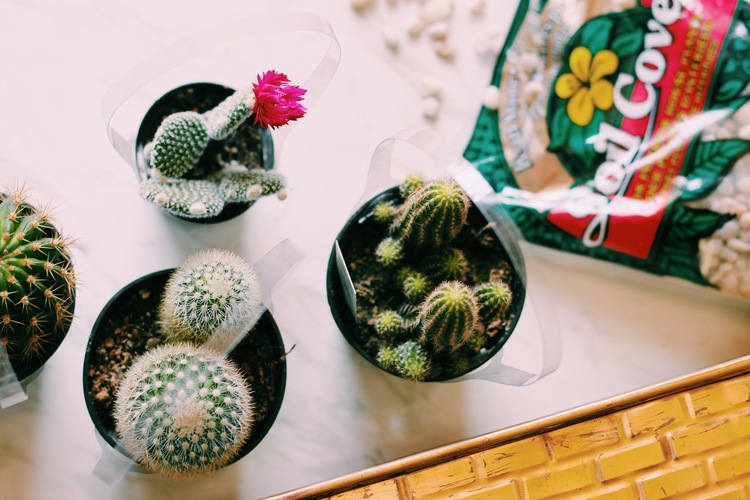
(37, 284)
(448, 316)
(183, 411)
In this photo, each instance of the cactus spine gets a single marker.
(213, 294)
(179, 143)
(494, 298)
(389, 252)
(389, 324)
(448, 316)
(446, 264)
(192, 199)
(411, 361)
(432, 215)
(37, 284)
(182, 411)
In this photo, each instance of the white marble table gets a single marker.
(621, 330)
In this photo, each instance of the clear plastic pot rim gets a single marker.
(123, 89)
(115, 462)
(381, 177)
(11, 390)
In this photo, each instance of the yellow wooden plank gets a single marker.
(443, 478)
(658, 415)
(700, 437)
(559, 480)
(635, 456)
(515, 456)
(386, 490)
(732, 465)
(674, 482)
(583, 437)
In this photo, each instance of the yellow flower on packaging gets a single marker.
(585, 85)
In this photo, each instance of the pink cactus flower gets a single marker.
(276, 102)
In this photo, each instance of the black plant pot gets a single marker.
(358, 239)
(249, 145)
(122, 332)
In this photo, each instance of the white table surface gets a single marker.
(621, 330)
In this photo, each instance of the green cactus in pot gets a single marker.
(448, 316)
(37, 284)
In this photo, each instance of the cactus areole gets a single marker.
(454, 290)
(37, 285)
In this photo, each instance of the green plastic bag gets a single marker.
(620, 134)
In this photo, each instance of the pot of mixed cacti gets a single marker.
(37, 285)
(204, 152)
(184, 372)
(420, 285)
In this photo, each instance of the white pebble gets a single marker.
(738, 245)
(728, 255)
(729, 230)
(530, 63)
(430, 107)
(435, 11)
(743, 184)
(744, 221)
(437, 31)
(430, 86)
(482, 45)
(491, 97)
(445, 49)
(742, 115)
(477, 7)
(725, 187)
(392, 3)
(744, 132)
(730, 283)
(414, 27)
(362, 5)
(391, 36)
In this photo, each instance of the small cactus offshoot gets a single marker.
(214, 295)
(412, 182)
(411, 361)
(191, 199)
(384, 212)
(494, 298)
(389, 324)
(389, 252)
(446, 264)
(416, 286)
(432, 215)
(183, 412)
(37, 284)
(449, 316)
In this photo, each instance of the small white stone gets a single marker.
(742, 115)
(729, 230)
(477, 7)
(725, 187)
(744, 132)
(362, 5)
(392, 3)
(281, 195)
(435, 11)
(392, 37)
(728, 255)
(744, 221)
(482, 45)
(445, 49)
(437, 31)
(414, 26)
(491, 98)
(743, 184)
(430, 86)
(430, 107)
(530, 63)
(738, 245)
(729, 283)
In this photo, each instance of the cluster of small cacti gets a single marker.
(441, 312)
(183, 409)
(182, 138)
(37, 284)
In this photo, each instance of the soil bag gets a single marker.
(621, 134)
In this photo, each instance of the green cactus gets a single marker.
(213, 294)
(446, 264)
(411, 361)
(416, 286)
(448, 316)
(494, 298)
(37, 284)
(386, 357)
(432, 215)
(191, 199)
(183, 411)
(249, 185)
(412, 182)
(384, 212)
(389, 252)
(229, 114)
(179, 143)
(389, 324)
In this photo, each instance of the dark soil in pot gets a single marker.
(249, 145)
(126, 327)
(377, 290)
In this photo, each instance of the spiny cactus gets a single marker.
(191, 199)
(183, 411)
(448, 316)
(37, 284)
(384, 212)
(446, 264)
(411, 361)
(249, 185)
(389, 252)
(389, 324)
(213, 294)
(432, 215)
(182, 137)
(412, 182)
(416, 286)
(494, 298)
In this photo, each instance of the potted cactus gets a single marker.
(435, 294)
(37, 285)
(183, 370)
(205, 152)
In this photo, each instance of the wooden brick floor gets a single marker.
(688, 438)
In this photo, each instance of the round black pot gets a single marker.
(135, 306)
(361, 231)
(249, 145)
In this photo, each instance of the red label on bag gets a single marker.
(659, 104)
